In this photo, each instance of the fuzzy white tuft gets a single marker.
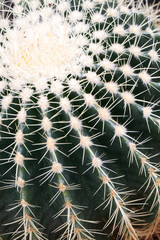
(97, 18)
(74, 85)
(51, 144)
(96, 48)
(20, 182)
(46, 124)
(120, 131)
(63, 6)
(75, 16)
(88, 5)
(112, 12)
(26, 94)
(117, 48)
(128, 97)
(89, 99)
(57, 167)
(119, 29)
(147, 111)
(6, 101)
(93, 78)
(112, 87)
(135, 29)
(19, 159)
(57, 87)
(127, 70)
(100, 34)
(104, 114)
(97, 162)
(132, 147)
(85, 141)
(43, 103)
(107, 64)
(75, 123)
(153, 55)
(19, 137)
(65, 104)
(22, 116)
(125, 9)
(135, 50)
(145, 77)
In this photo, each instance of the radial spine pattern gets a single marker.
(79, 120)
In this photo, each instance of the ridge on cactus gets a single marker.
(79, 120)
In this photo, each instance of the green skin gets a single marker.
(36, 193)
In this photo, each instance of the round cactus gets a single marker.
(80, 120)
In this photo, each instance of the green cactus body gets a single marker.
(79, 121)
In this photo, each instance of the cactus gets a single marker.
(80, 120)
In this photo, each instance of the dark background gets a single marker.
(152, 1)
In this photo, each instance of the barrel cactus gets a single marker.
(80, 120)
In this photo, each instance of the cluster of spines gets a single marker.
(117, 94)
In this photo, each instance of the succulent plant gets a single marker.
(80, 120)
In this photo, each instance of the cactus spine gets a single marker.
(79, 120)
